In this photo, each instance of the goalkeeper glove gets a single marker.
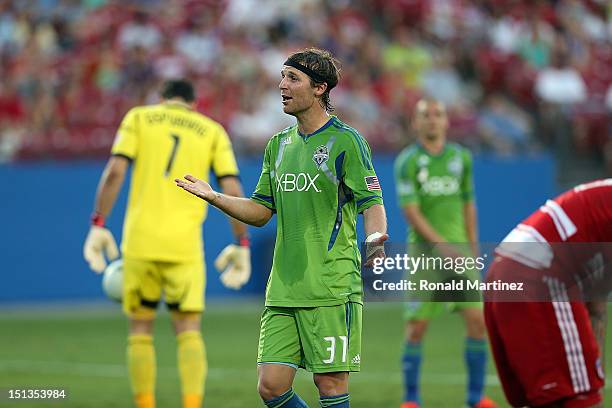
(99, 243)
(234, 264)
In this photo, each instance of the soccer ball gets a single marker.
(112, 282)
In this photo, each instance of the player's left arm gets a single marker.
(110, 184)
(100, 241)
(360, 177)
(469, 206)
(375, 219)
(375, 226)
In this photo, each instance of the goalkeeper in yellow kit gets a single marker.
(162, 232)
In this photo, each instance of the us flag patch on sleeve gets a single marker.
(372, 183)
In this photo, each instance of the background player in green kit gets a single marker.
(316, 176)
(436, 193)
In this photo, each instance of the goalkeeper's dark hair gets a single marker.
(180, 88)
(324, 65)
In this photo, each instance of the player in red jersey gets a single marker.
(548, 347)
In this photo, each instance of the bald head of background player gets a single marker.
(430, 122)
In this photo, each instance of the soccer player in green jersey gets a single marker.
(316, 176)
(436, 193)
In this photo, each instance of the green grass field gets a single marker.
(81, 349)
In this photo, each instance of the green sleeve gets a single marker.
(263, 193)
(359, 175)
(467, 183)
(405, 180)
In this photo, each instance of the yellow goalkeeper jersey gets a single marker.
(166, 141)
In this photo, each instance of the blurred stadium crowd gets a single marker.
(516, 76)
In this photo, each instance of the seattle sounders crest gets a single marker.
(320, 155)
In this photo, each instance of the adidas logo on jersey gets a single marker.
(356, 359)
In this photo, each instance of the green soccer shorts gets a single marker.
(320, 339)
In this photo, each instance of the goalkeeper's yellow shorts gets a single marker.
(181, 284)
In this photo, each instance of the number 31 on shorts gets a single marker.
(332, 348)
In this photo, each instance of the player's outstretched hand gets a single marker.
(197, 187)
(99, 243)
(375, 247)
(234, 264)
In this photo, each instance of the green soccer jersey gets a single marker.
(316, 184)
(439, 184)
